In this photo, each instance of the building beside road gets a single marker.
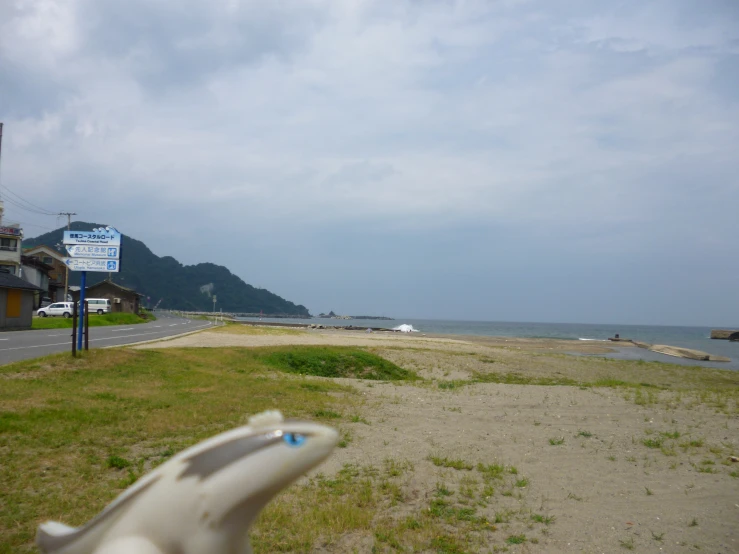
(58, 272)
(36, 272)
(17, 298)
(122, 299)
(10, 247)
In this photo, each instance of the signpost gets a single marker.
(96, 250)
(107, 236)
(91, 264)
(90, 251)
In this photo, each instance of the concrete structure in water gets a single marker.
(725, 334)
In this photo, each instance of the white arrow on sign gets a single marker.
(93, 251)
(92, 264)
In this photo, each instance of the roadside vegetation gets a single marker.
(95, 320)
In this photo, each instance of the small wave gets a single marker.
(405, 328)
(598, 340)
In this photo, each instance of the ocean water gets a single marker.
(688, 337)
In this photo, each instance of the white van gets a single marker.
(98, 305)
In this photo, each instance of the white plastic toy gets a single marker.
(205, 498)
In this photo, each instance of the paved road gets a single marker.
(22, 345)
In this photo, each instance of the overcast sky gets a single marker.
(510, 160)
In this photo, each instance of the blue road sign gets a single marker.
(92, 264)
(93, 251)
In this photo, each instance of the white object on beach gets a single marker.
(205, 498)
(405, 328)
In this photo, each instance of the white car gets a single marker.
(59, 308)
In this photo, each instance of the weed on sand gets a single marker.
(381, 509)
(334, 362)
(646, 383)
(256, 330)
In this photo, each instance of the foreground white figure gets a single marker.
(204, 499)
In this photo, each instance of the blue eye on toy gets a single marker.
(294, 439)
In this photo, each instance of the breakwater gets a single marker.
(725, 334)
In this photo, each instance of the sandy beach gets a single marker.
(606, 468)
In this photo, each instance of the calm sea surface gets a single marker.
(689, 337)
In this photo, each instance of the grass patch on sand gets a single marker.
(646, 383)
(95, 321)
(454, 463)
(74, 432)
(377, 509)
(335, 361)
(232, 328)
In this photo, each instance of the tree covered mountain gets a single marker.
(180, 287)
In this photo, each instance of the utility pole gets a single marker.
(66, 278)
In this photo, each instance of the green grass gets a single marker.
(546, 520)
(652, 443)
(95, 321)
(335, 362)
(453, 463)
(495, 471)
(231, 328)
(327, 414)
(74, 432)
(451, 385)
(358, 502)
(513, 378)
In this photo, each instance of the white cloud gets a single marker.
(570, 118)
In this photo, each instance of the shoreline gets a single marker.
(610, 347)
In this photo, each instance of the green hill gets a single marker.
(181, 287)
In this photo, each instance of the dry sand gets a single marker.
(606, 489)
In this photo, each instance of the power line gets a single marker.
(24, 204)
(24, 208)
(26, 224)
